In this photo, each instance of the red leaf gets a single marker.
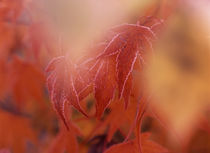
(70, 83)
(125, 63)
(105, 84)
(113, 47)
(53, 63)
(130, 40)
(62, 86)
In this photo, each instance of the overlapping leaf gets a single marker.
(105, 84)
(123, 50)
(110, 70)
(126, 45)
(66, 85)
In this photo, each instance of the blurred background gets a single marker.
(176, 75)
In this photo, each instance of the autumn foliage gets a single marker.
(140, 87)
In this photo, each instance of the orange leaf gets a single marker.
(15, 137)
(27, 82)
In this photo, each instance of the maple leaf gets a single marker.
(63, 86)
(105, 73)
(126, 45)
(131, 146)
(105, 84)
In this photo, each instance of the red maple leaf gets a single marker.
(107, 71)
(105, 84)
(127, 46)
(66, 85)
